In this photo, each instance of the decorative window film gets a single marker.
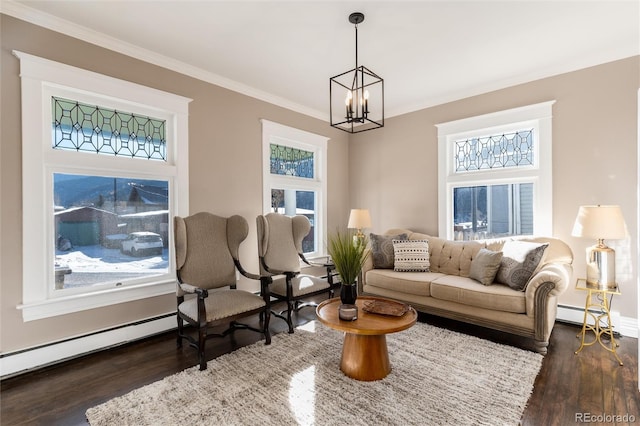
(495, 174)
(91, 128)
(493, 152)
(289, 161)
(293, 175)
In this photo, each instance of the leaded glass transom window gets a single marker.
(494, 152)
(91, 128)
(288, 161)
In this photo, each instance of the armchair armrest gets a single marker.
(245, 273)
(276, 271)
(326, 264)
(265, 281)
(190, 289)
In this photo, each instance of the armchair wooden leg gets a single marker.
(180, 332)
(289, 321)
(202, 338)
(266, 330)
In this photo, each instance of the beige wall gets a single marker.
(224, 158)
(394, 171)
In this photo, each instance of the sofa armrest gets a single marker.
(558, 274)
(368, 265)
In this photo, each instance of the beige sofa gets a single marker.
(447, 291)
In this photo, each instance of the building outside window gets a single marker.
(104, 171)
(495, 174)
(294, 178)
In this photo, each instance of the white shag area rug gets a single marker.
(438, 377)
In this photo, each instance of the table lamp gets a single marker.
(600, 222)
(359, 219)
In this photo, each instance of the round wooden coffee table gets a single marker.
(364, 351)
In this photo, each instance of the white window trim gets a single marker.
(538, 117)
(40, 78)
(277, 133)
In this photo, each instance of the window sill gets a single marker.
(86, 301)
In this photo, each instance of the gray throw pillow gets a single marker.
(382, 249)
(485, 265)
(519, 260)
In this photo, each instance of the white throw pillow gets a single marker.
(411, 255)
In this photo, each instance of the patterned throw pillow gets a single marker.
(485, 265)
(520, 259)
(411, 255)
(382, 249)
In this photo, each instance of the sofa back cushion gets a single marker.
(446, 257)
(453, 257)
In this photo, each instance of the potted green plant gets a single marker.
(348, 255)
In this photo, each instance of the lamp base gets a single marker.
(601, 266)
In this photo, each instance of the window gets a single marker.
(494, 178)
(104, 169)
(294, 170)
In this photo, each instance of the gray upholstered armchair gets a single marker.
(206, 262)
(280, 251)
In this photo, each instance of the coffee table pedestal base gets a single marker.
(365, 357)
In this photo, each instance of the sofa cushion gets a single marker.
(470, 292)
(519, 261)
(411, 283)
(485, 265)
(452, 257)
(411, 255)
(382, 249)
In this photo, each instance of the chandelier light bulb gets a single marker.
(366, 103)
(349, 104)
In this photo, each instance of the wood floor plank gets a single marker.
(590, 382)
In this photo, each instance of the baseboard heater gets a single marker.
(575, 315)
(37, 357)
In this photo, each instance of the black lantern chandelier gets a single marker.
(356, 96)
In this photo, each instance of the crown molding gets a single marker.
(53, 23)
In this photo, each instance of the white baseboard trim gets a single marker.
(626, 326)
(18, 362)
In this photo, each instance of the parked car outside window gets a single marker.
(140, 243)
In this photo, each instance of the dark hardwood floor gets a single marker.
(588, 384)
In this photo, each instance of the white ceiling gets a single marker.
(428, 52)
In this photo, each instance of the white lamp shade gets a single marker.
(600, 222)
(359, 219)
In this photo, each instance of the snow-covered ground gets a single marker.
(99, 259)
(95, 264)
